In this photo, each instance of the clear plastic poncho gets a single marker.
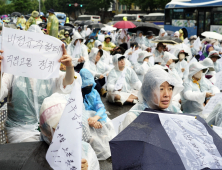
(215, 117)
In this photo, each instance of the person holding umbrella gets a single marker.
(32, 19)
(108, 45)
(157, 92)
(53, 24)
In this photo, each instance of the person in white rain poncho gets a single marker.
(182, 66)
(162, 33)
(106, 58)
(210, 74)
(215, 117)
(192, 97)
(142, 65)
(157, 91)
(176, 34)
(98, 68)
(35, 28)
(159, 53)
(84, 32)
(140, 39)
(147, 41)
(50, 114)
(26, 97)
(123, 83)
(78, 53)
(214, 56)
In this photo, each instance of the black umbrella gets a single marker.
(79, 23)
(145, 145)
(111, 22)
(69, 25)
(98, 25)
(170, 33)
(89, 22)
(168, 40)
(43, 25)
(12, 25)
(27, 16)
(145, 26)
(16, 14)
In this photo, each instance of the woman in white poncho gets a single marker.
(157, 91)
(123, 83)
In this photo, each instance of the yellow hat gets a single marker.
(35, 14)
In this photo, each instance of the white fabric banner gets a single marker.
(211, 104)
(192, 141)
(30, 54)
(65, 150)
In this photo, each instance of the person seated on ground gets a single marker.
(123, 83)
(215, 117)
(147, 41)
(79, 30)
(182, 66)
(68, 40)
(108, 45)
(90, 44)
(142, 65)
(159, 53)
(214, 56)
(157, 91)
(79, 59)
(192, 97)
(210, 74)
(50, 114)
(191, 41)
(98, 68)
(84, 32)
(208, 49)
(27, 95)
(106, 58)
(140, 39)
(61, 33)
(134, 47)
(63, 38)
(94, 118)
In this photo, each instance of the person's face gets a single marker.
(107, 40)
(100, 47)
(214, 59)
(150, 37)
(210, 49)
(121, 64)
(98, 57)
(160, 48)
(163, 34)
(136, 48)
(146, 59)
(140, 34)
(166, 92)
(66, 35)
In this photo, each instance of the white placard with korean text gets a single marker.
(193, 143)
(65, 150)
(30, 54)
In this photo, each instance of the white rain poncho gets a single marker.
(215, 117)
(161, 32)
(181, 65)
(50, 114)
(84, 32)
(35, 28)
(26, 97)
(140, 41)
(98, 69)
(106, 58)
(158, 56)
(217, 65)
(207, 62)
(141, 67)
(192, 97)
(147, 44)
(129, 80)
(71, 50)
(149, 90)
(208, 82)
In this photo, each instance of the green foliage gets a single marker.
(128, 3)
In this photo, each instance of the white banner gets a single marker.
(30, 54)
(211, 104)
(65, 149)
(193, 143)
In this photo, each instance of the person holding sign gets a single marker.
(78, 52)
(121, 82)
(26, 97)
(157, 92)
(193, 95)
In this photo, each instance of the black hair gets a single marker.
(122, 57)
(101, 53)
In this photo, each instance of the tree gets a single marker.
(22, 6)
(128, 3)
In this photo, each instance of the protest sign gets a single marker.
(65, 150)
(192, 142)
(30, 54)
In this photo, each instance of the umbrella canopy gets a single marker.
(4, 16)
(89, 22)
(213, 35)
(79, 23)
(108, 28)
(168, 40)
(12, 25)
(124, 25)
(111, 22)
(146, 26)
(98, 25)
(145, 145)
(69, 25)
(170, 33)
(16, 14)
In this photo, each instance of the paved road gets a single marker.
(31, 156)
